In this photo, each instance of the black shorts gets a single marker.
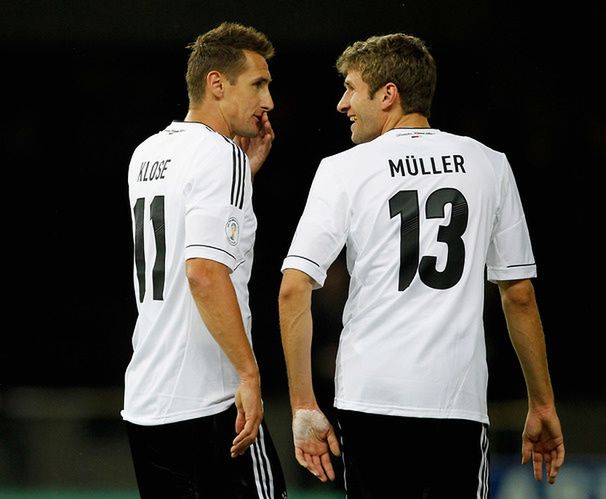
(410, 458)
(190, 459)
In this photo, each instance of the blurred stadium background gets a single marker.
(85, 81)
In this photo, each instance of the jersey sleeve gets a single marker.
(323, 227)
(510, 253)
(213, 206)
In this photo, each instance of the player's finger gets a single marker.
(240, 421)
(267, 128)
(306, 460)
(318, 470)
(240, 448)
(551, 474)
(333, 443)
(327, 465)
(526, 451)
(300, 458)
(560, 454)
(556, 462)
(248, 434)
(537, 465)
(244, 440)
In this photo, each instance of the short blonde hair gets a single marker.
(221, 49)
(397, 58)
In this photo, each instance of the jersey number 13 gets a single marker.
(406, 205)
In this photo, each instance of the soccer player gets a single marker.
(422, 213)
(192, 397)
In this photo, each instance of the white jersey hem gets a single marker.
(175, 418)
(410, 412)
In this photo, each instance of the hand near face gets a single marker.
(257, 148)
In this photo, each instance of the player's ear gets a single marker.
(214, 83)
(389, 95)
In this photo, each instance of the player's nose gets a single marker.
(267, 103)
(343, 104)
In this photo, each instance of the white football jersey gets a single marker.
(422, 213)
(191, 197)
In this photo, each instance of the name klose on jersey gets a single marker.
(154, 172)
(412, 166)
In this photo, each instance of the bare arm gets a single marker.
(542, 437)
(313, 434)
(217, 303)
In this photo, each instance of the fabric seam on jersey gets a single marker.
(304, 258)
(211, 247)
(347, 228)
(520, 220)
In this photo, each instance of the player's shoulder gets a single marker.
(186, 132)
(200, 135)
(347, 157)
(476, 145)
(205, 149)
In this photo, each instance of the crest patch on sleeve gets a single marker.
(232, 231)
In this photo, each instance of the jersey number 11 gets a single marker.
(157, 218)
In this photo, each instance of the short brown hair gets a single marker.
(397, 58)
(221, 49)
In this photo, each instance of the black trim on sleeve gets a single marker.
(521, 265)
(304, 258)
(233, 173)
(242, 159)
(235, 200)
(238, 176)
(213, 247)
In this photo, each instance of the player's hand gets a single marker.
(250, 414)
(543, 441)
(313, 437)
(257, 148)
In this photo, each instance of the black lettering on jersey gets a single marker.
(458, 163)
(422, 166)
(399, 168)
(446, 163)
(413, 166)
(434, 169)
(156, 171)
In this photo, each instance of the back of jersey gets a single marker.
(190, 196)
(422, 213)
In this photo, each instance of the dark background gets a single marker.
(84, 82)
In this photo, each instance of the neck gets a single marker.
(211, 116)
(412, 120)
